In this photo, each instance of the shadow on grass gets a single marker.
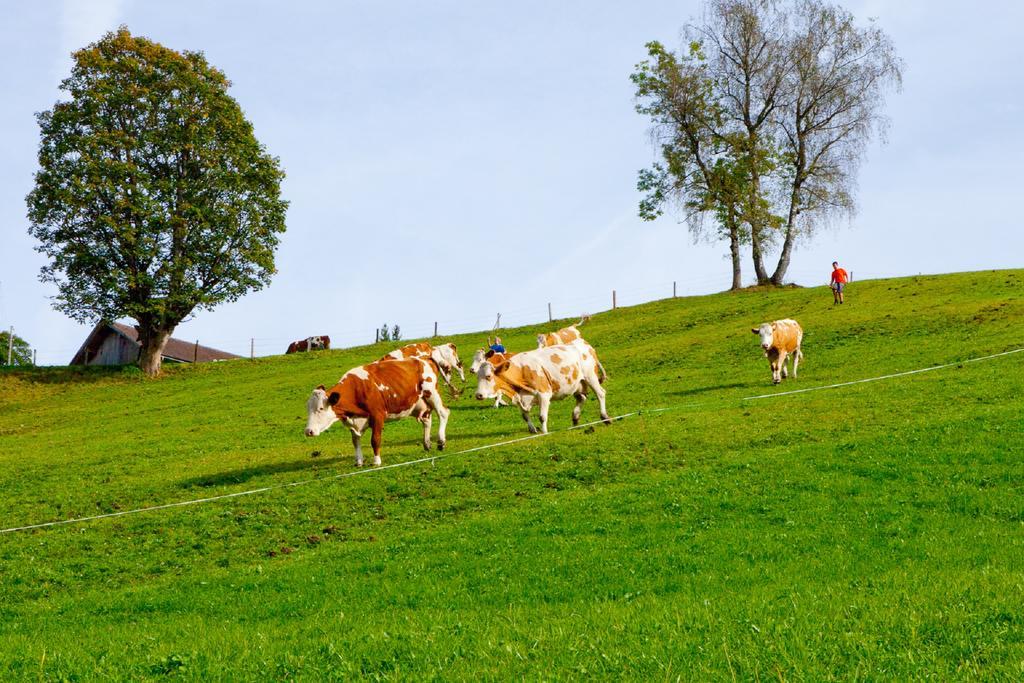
(701, 390)
(73, 374)
(246, 473)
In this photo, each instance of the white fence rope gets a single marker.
(441, 456)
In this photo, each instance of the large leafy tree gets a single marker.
(153, 198)
(763, 121)
(706, 165)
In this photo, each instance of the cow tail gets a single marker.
(604, 373)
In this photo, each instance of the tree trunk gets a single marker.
(794, 210)
(734, 252)
(787, 249)
(755, 249)
(152, 342)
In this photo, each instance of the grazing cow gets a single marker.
(369, 395)
(566, 335)
(445, 356)
(543, 375)
(481, 356)
(779, 339)
(321, 342)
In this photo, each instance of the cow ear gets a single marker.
(490, 352)
(333, 398)
(321, 387)
(755, 330)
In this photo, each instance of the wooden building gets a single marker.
(117, 344)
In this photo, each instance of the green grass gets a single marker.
(875, 531)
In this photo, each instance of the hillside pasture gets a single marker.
(871, 531)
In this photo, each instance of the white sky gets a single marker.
(450, 160)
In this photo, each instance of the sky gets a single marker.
(448, 161)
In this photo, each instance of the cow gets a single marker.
(445, 356)
(779, 339)
(481, 356)
(368, 395)
(321, 342)
(543, 375)
(566, 335)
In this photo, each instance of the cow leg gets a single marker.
(434, 399)
(783, 372)
(525, 403)
(580, 399)
(377, 425)
(796, 360)
(499, 402)
(594, 383)
(357, 443)
(428, 422)
(544, 402)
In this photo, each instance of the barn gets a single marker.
(117, 344)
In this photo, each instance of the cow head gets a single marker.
(486, 379)
(320, 411)
(767, 336)
(478, 358)
(447, 358)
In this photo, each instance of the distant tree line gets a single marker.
(761, 122)
(20, 350)
(389, 334)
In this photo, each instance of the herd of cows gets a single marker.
(407, 382)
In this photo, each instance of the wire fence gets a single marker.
(555, 308)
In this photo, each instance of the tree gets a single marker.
(153, 198)
(700, 166)
(712, 110)
(21, 352)
(836, 86)
(762, 122)
(745, 40)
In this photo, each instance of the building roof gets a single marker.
(176, 349)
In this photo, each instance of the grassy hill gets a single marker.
(872, 531)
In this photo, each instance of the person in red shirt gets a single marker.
(839, 280)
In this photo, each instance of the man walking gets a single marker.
(839, 280)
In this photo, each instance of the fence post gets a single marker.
(673, 289)
(33, 357)
(435, 328)
(376, 335)
(10, 345)
(614, 303)
(252, 348)
(195, 353)
(550, 318)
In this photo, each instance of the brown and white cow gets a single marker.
(543, 375)
(779, 339)
(321, 342)
(566, 335)
(367, 396)
(445, 356)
